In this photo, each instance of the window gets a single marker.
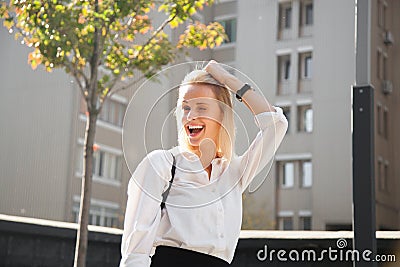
(384, 67)
(286, 174)
(304, 73)
(306, 173)
(381, 181)
(383, 172)
(305, 119)
(113, 112)
(101, 213)
(283, 74)
(306, 18)
(306, 13)
(382, 7)
(305, 223)
(293, 170)
(286, 112)
(285, 20)
(286, 223)
(284, 67)
(378, 64)
(379, 119)
(230, 29)
(288, 17)
(386, 175)
(305, 67)
(286, 70)
(309, 14)
(106, 165)
(385, 122)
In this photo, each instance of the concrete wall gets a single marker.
(36, 113)
(333, 77)
(32, 242)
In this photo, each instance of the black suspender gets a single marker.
(165, 194)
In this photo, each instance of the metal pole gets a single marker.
(363, 175)
(363, 143)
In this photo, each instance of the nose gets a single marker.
(191, 115)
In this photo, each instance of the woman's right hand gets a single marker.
(222, 75)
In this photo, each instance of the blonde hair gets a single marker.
(226, 139)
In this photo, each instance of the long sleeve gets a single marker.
(143, 211)
(273, 126)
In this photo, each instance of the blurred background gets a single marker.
(299, 53)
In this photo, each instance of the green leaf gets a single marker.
(62, 34)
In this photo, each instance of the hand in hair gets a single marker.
(254, 101)
(222, 76)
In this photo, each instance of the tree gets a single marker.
(100, 43)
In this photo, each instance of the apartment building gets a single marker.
(43, 129)
(385, 59)
(301, 52)
(298, 53)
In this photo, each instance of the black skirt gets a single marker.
(166, 256)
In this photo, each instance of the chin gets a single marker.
(194, 143)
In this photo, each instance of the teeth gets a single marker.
(191, 127)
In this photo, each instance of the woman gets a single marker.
(201, 221)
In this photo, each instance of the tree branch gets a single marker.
(77, 74)
(159, 29)
(114, 82)
(110, 93)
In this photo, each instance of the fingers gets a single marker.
(217, 71)
(210, 65)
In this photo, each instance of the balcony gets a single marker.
(284, 87)
(304, 86)
(306, 31)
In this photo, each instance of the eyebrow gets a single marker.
(200, 103)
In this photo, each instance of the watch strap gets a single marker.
(242, 91)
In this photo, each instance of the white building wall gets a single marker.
(36, 110)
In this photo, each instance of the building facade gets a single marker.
(302, 53)
(385, 58)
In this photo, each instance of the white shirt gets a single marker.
(201, 214)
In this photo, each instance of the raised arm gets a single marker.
(253, 100)
(269, 119)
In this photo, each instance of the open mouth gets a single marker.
(194, 130)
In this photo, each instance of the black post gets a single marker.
(363, 175)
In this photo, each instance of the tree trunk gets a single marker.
(86, 191)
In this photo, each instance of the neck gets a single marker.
(206, 152)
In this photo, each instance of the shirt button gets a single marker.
(221, 235)
(220, 209)
(213, 190)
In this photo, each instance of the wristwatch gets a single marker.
(242, 91)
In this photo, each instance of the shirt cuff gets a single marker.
(267, 119)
